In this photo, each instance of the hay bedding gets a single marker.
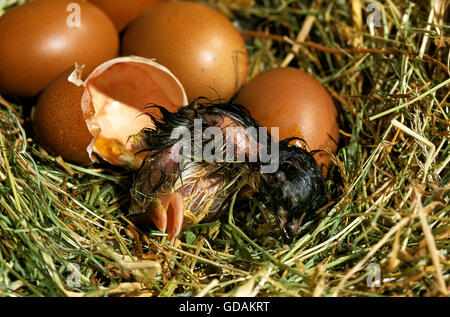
(389, 204)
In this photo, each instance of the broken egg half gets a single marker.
(85, 119)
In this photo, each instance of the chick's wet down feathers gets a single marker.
(175, 188)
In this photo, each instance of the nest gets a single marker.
(64, 229)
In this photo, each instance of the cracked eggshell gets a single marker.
(85, 119)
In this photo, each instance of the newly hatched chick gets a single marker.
(177, 186)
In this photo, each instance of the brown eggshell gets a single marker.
(122, 12)
(58, 122)
(40, 39)
(81, 120)
(296, 103)
(197, 43)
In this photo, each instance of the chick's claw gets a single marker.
(159, 216)
(166, 213)
(174, 212)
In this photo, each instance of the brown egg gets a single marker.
(123, 12)
(42, 38)
(298, 105)
(80, 120)
(197, 43)
(58, 121)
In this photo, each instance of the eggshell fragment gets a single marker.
(298, 105)
(40, 39)
(111, 102)
(122, 12)
(197, 43)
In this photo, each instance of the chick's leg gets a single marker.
(174, 207)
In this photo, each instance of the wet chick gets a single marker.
(178, 186)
